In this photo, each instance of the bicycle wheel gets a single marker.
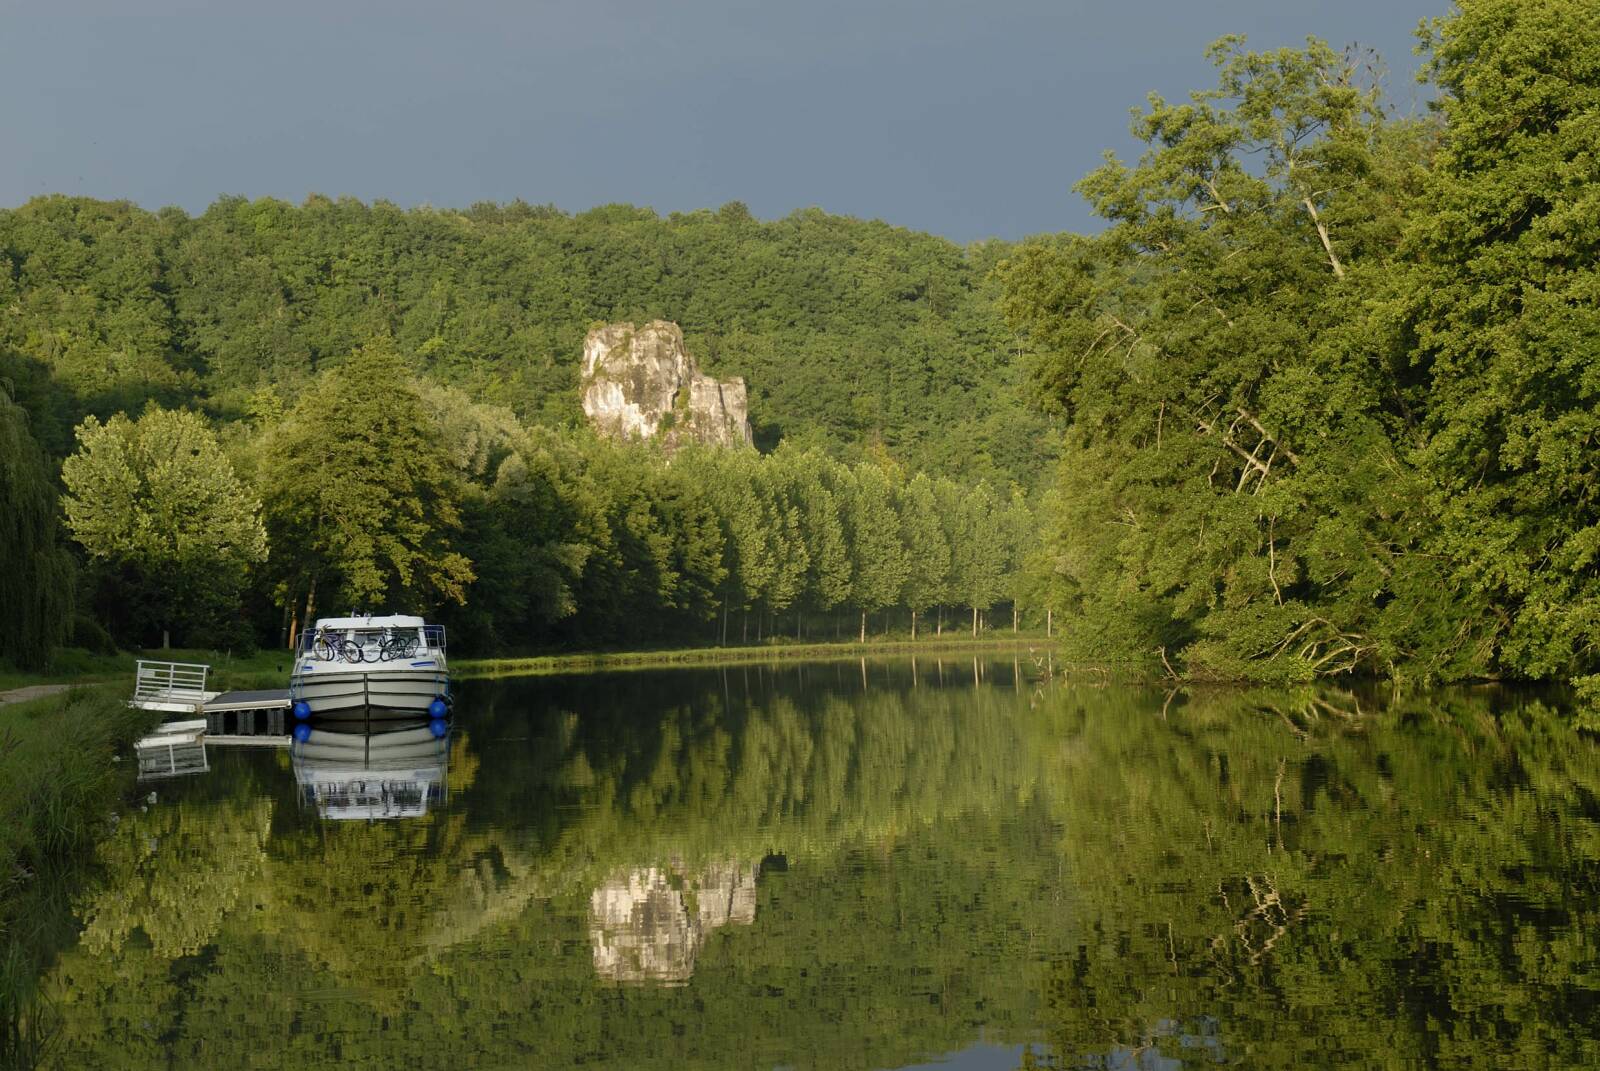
(352, 652)
(408, 649)
(323, 650)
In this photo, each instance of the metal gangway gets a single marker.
(171, 687)
(251, 718)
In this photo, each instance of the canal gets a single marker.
(865, 865)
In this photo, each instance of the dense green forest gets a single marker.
(1329, 372)
(1322, 393)
(271, 408)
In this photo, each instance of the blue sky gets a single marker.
(970, 120)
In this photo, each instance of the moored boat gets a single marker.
(363, 667)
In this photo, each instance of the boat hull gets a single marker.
(334, 691)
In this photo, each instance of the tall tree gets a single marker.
(36, 580)
(1503, 310)
(877, 556)
(927, 549)
(360, 495)
(1235, 483)
(157, 505)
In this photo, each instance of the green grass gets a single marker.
(57, 774)
(73, 665)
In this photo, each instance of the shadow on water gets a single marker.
(859, 865)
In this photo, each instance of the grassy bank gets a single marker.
(58, 784)
(57, 774)
(73, 665)
(583, 661)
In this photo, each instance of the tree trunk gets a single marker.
(913, 626)
(744, 628)
(1013, 619)
(758, 626)
(311, 603)
(863, 626)
(1049, 623)
(166, 640)
(940, 631)
(974, 620)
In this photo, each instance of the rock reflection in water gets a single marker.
(648, 924)
(348, 772)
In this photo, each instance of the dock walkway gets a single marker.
(257, 718)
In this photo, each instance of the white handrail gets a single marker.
(171, 680)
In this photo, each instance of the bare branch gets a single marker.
(1322, 232)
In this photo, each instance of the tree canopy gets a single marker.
(1326, 370)
(169, 525)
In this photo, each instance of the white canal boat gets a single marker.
(365, 667)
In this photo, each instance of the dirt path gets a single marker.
(33, 691)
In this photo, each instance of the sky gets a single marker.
(970, 120)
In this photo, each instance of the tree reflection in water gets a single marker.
(1090, 876)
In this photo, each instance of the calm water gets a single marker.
(865, 867)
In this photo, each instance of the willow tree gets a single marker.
(172, 529)
(36, 578)
(361, 499)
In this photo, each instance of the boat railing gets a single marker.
(170, 681)
(366, 646)
(433, 637)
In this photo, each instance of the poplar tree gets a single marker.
(878, 560)
(928, 552)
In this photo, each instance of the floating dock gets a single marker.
(242, 718)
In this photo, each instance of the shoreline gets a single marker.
(671, 658)
(269, 668)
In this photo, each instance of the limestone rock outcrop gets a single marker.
(641, 383)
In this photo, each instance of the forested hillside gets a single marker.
(853, 335)
(271, 409)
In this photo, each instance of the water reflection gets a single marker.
(394, 769)
(847, 866)
(649, 923)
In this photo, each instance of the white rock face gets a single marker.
(642, 928)
(640, 383)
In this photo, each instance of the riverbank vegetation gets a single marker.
(1328, 372)
(58, 782)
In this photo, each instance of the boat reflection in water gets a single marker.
(648, 924)
(391, 769)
